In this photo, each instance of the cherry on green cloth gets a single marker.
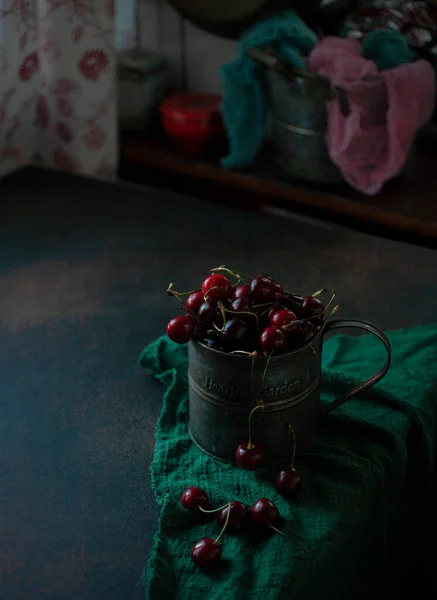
(367, 505)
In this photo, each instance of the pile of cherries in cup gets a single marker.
(253, 316)
(247, 314)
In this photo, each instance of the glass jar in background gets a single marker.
(143, 82)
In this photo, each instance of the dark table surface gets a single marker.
(84, 266)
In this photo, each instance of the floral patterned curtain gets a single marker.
(58, 85)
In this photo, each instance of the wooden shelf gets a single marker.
(405, 209)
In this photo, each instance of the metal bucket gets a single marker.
(300, 124)
(223, 389)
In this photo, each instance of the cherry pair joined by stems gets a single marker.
(234, 515)
(250, 456)
(196, 500)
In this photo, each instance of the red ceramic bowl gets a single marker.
(193, 120)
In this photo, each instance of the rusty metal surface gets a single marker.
(83, 268)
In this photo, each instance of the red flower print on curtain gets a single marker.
(28, 67)
(57, 85)
(93, 63)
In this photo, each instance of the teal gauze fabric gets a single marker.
(367, 497)
(244, 84)
(388, 49)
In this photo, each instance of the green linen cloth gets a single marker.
(367, 490)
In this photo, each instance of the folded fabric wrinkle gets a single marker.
(372, 143)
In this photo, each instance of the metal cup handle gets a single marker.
(342, 323)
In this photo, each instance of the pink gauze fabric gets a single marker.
(371, 144)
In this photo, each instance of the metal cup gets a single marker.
(223, 389)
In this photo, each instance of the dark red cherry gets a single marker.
(278, 292)
(250, 457)
(264, 512)
(241, 291)
(236, 335)
(238, 518)
(288, 482)
(194, 302)
(303, 333)
(262, 289)
(205, 552)
(282, 318)
(181, 329)
(241, 304)
(217, 286)
(210, 313)
(243, 307)
(264, 315)
(272, 339)
(311, 307)
(193, 498)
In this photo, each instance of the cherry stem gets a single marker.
(330, 301)
(290, 426)
(265, 304)
(290, 538)
(240, 312)
(205, 296)
(175, 295)
(204, 510)
(319, 293)
(249, 442)
(252, 365)
(171, 292)
(239, 275)
(265, 369)
(226, 523)
(222, 310)
(333, 311)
